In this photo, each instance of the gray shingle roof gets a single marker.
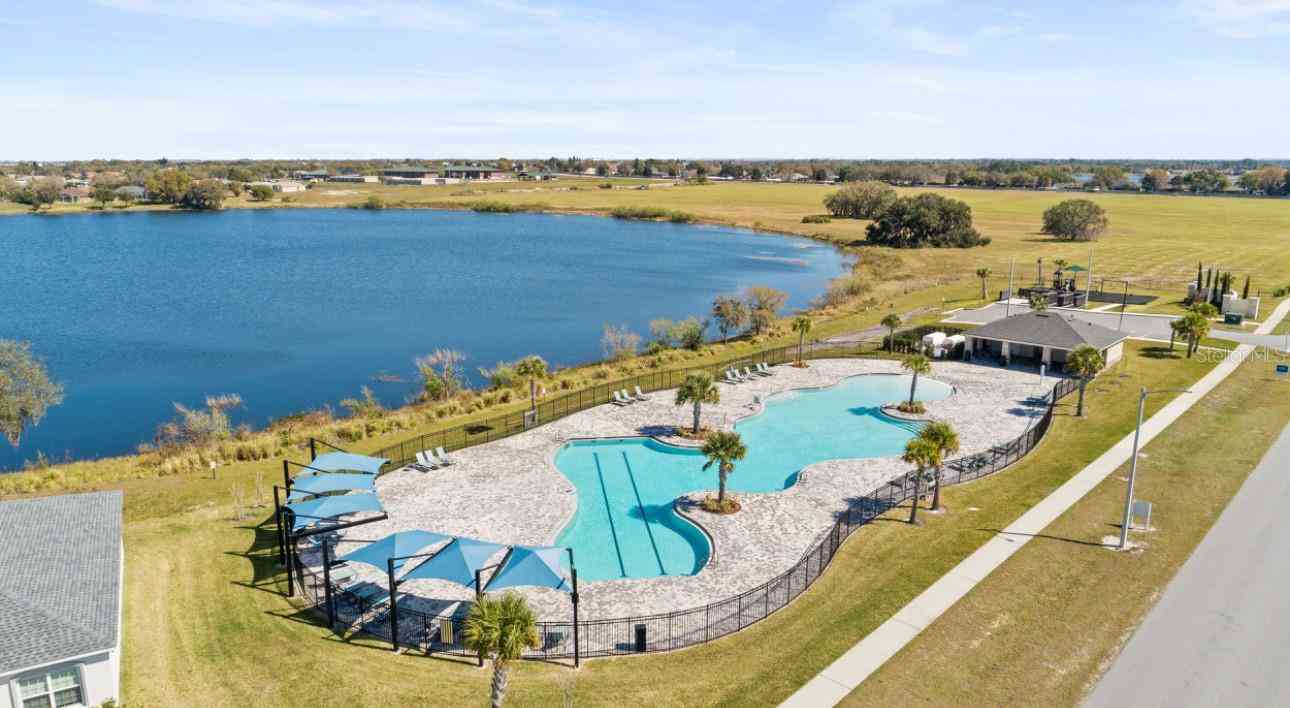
(1049, 329)
(60, 577)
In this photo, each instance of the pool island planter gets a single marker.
(440, 634)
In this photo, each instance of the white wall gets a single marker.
(99, 679)
(1113, 353)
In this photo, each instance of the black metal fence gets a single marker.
(675, 630)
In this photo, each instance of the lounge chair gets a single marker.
(618, 399)
(640, 395)
(627, 396)
(748, 374)
(442, 456)
(426, 458)
(742, 377)
(731, 378)
(764, 369)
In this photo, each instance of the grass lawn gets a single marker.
(1045, 625)
(205, 625)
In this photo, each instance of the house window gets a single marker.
(55, 689)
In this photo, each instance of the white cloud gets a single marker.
(1240, 19)
(924, 40)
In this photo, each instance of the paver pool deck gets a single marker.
(510, 492)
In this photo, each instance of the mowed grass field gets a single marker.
(205, 623)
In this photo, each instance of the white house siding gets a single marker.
(1113, 353)
(99, 679)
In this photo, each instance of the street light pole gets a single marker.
(1133, 461)
(1124, 305)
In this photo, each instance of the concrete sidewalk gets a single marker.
(842, 676)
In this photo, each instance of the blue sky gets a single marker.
(487, 78)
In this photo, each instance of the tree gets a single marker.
(723, 448)
(862, 200)
(1245, 290)
(1107, 177)
(922, 454)
(927, 220)
(26, 391)
(1038, 302)
(441, 373)
(1205, 181)
(697, 389)
(1155, 180)
(1075, 220)
(168, 186)
(263, 193)
(501, 629)
(40, 192)
(984, 275)
(942, 437)
(533, 367)
(916, 364)
(205, 195)
(1194, 325)
(1084, 362)
(763, 306)
(802, 325)
(892, 323)
(730, 314)
(103, 194)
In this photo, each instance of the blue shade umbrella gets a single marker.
(396, 545)
(347, 462)
(311, 485)
(543, 566)
(310, 512)
(457, 562)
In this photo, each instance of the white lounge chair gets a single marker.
(640, 395)
(740, 376)
(764, 369)
(731, 378)
(426, 459)
(442, 456)
(748, 375)
(628, 397)
(619, 400)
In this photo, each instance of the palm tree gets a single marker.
(945, 441)
(916, 364)
(1178, 329)
(892, 323)
(501, 629)
(1084, 362)
(984, 275)
(534, 367)
(922, 454)
(1038, 302)
(722, 449)
(698, 388)
(802, 325)
(1196, 326)
(1061, 264)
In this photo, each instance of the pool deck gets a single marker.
(510, 492)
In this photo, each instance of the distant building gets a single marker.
(74, 195)
(473, 172)
(354, 179)
(284, 186)
(310, 175)
(131, 191)
(409, 175)
(61, 566)
(1042, 338)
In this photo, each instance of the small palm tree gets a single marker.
(916, 364)
(1196, 326)
(1178, 330)
(723, 448)
(698, 389)
(921, 454)
(1038, 302)
(984, 275)
(945, 440)
(802, 325)
(534, 367)
(501, 629)
(892, 323)
(1061, 264)
(1084, 362)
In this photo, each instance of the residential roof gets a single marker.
(1049, 329)
(410, 168)
(60, 578)
(471, 168)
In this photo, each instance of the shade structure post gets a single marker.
(331, 606)
(286, 477)
(479, 595)
(394, 606)
(291, 567)
(313, 450)
(277, 521)
(573, 571)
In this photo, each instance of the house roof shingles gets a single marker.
(60, 578)
(1049, 329)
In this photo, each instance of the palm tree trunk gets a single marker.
(801, 338)
(1172, 334)
(891, 339)
(721, 487)
(1079, 411)
(501, 675)
(913, 386)
(936, 493)
(533, 394)
(697, 413)
(913, 503)
(983, 288)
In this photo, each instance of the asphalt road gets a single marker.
(1220, 635)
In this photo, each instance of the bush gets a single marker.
(503, 375)
(1075, 220)
(652, 214)
(817, 219)
(864, 200)
(619, 343)
(927, 220)
(261, 192)
(374, 202)
(490, 206)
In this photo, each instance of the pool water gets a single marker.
(625, 526)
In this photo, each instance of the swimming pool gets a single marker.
(625, 526)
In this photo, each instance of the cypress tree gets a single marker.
(1200, 275)
(1245, 291)
(1209, 278)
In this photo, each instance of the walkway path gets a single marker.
(842, 676)
(1217, 637)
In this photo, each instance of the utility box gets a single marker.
(1141, 517)
(1233, 318)
(640, 637)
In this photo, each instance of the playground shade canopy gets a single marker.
(310, 512)
(396, 545)
(347, 462)
(457, 562)
(542, 566)
(311, 485)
